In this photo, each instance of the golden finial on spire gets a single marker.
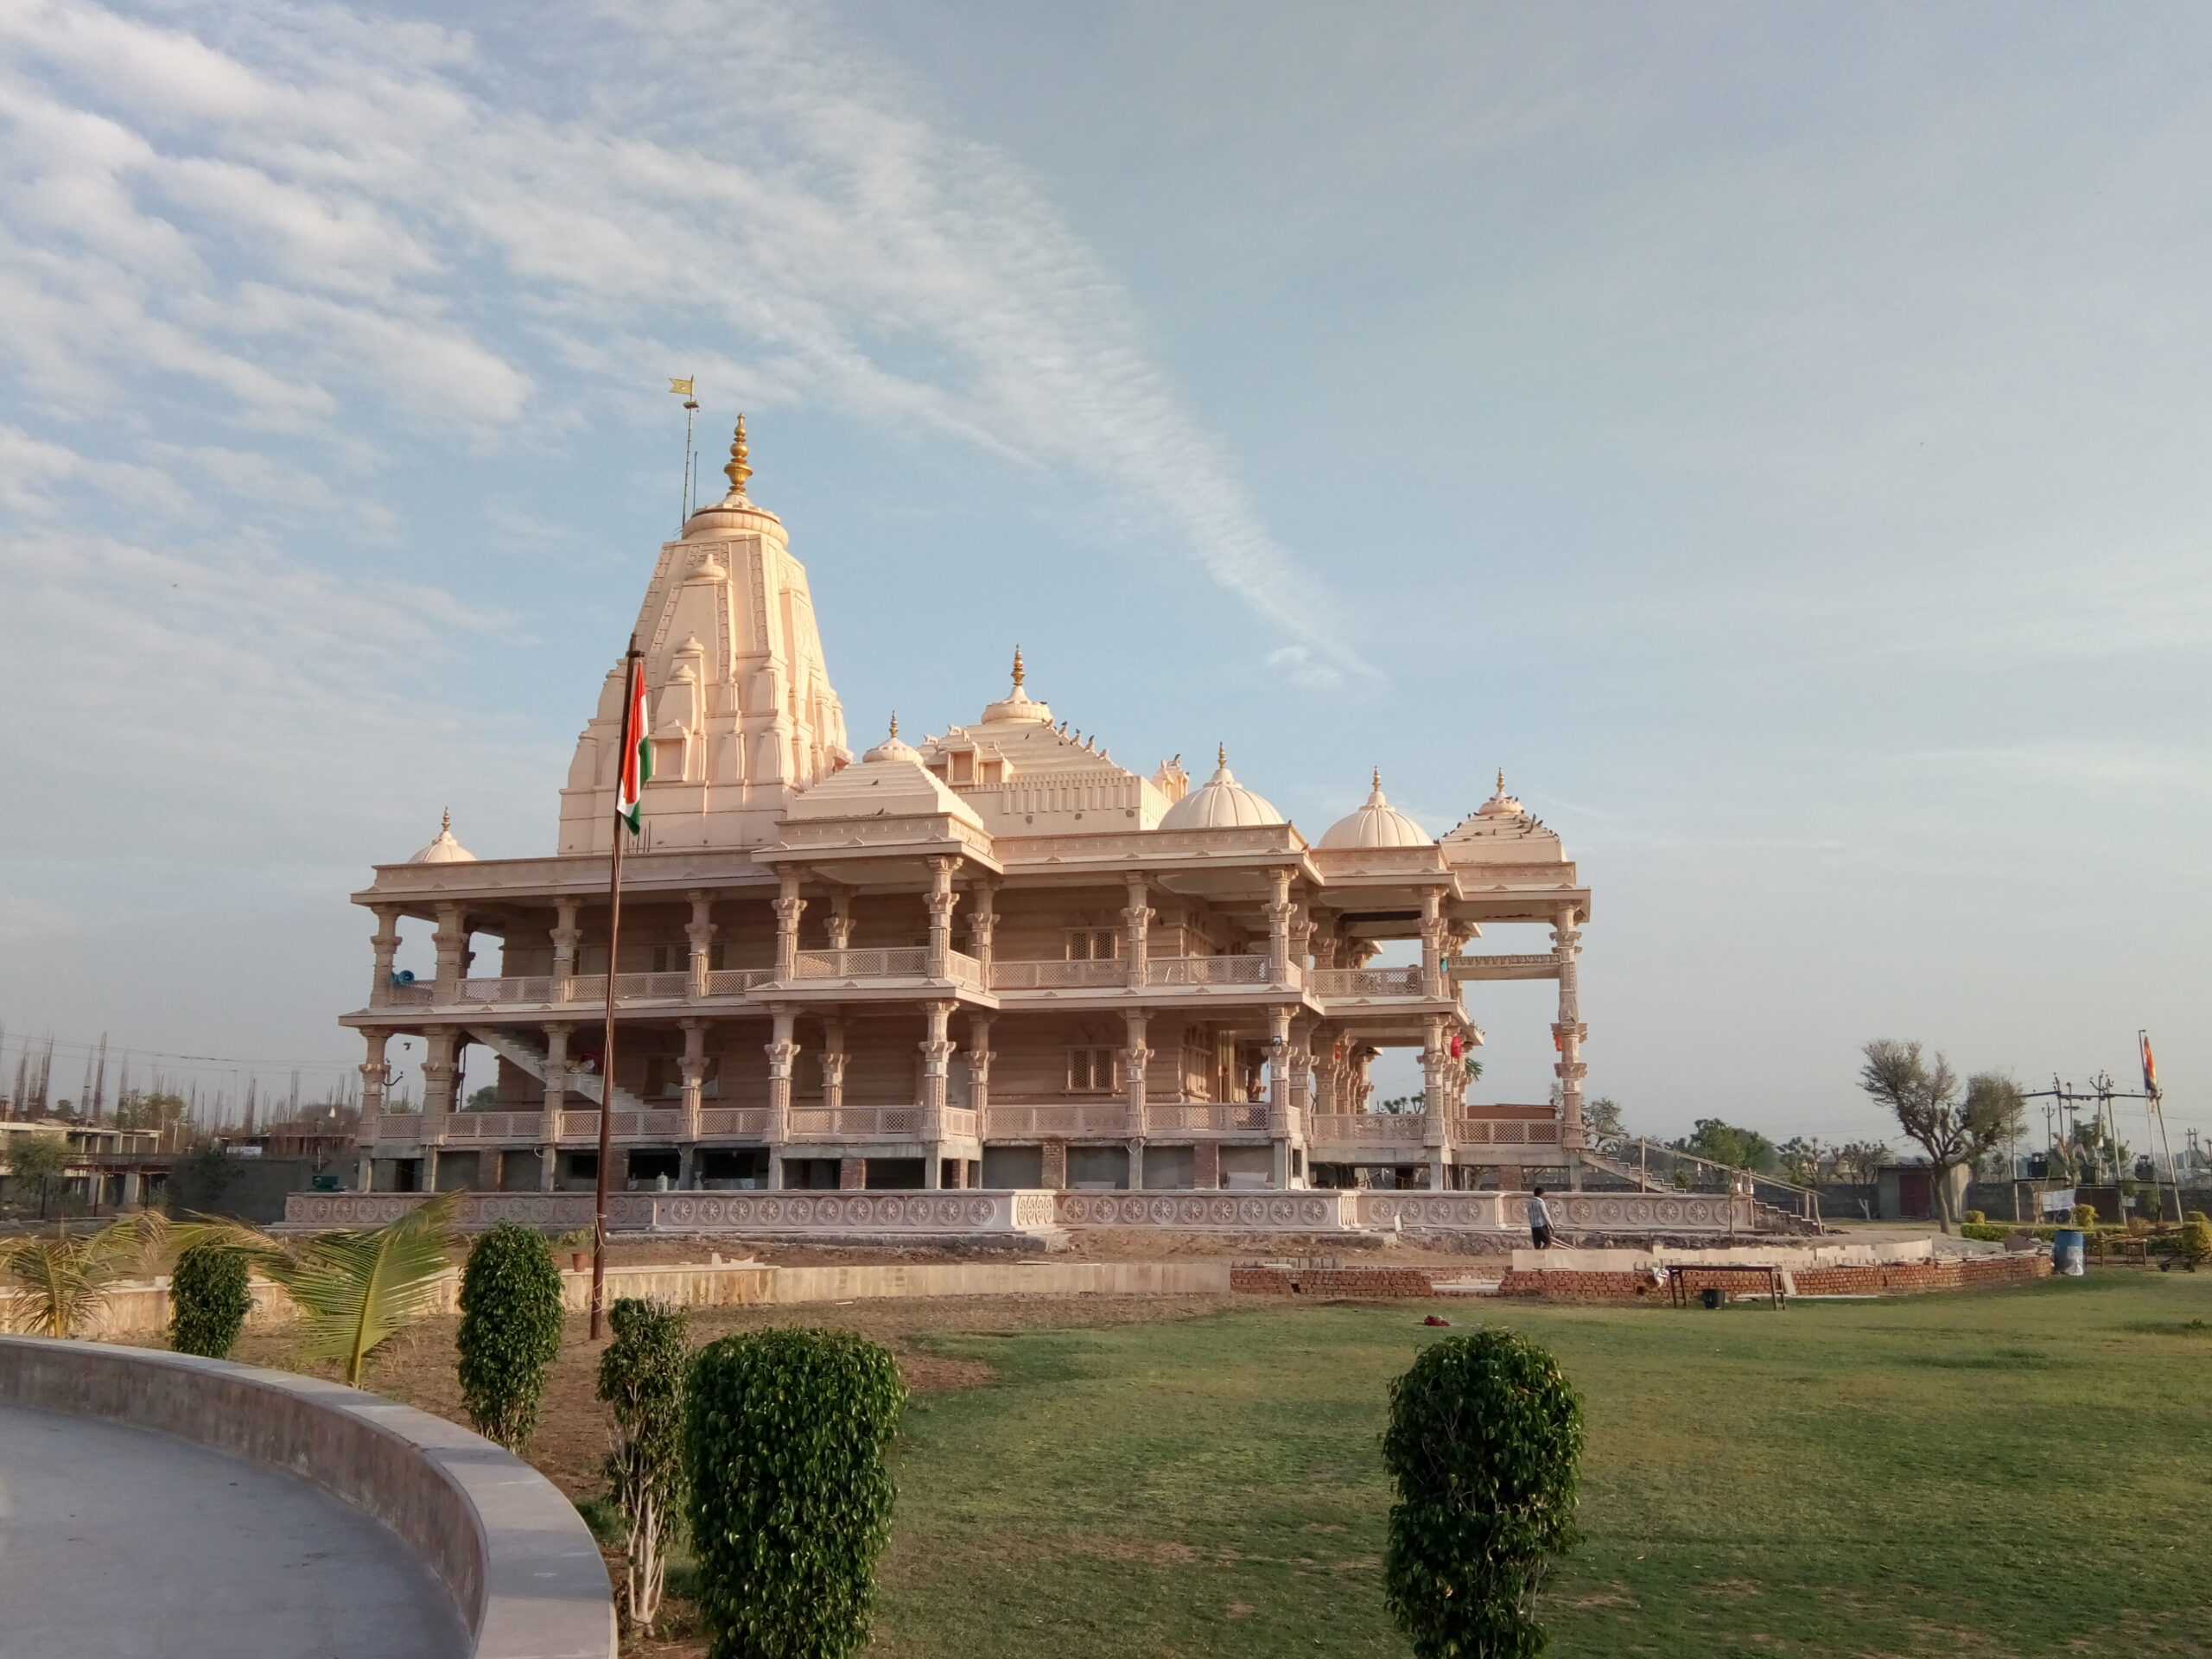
(1221, 754)
(894, 723)
(1500, 783)
(445, 821)
(1017, 668)
(737, 471)
(1378, 777)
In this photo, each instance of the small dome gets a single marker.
(1221, 802)
(1500, 805)
(445, 849)
(1378, 824)
(891, 749)
(1018, 704)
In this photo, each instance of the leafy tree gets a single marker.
(1723, 1143)
(1484, 1440)
(483, 1100)
(37, 1158)
(1952, 1130)
(1602, 1118)
(510, 1332)
(209, 1295)
(356, 1289)
(151, 1109)
(1860, 1162)
(641, 1379)
(1801, 1159)
(785, 1434)
(57, 1287)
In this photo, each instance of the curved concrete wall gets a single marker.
(513, 1553)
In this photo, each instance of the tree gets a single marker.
(1602, 1118)
(1484, 1440)
(641, 1380)
(1801, 1159)
(210, 1294)
(785, 1434)
(1925, 1097)
(37, 1158)
(1723, 1143)
(57, 1287)
(510, 1332)
(356, 1289)
(154, 1110)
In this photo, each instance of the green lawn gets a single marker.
(2019, 1472)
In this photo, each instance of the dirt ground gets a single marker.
(1122, 1244)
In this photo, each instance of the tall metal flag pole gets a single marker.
(683, 389)
(2157, 1106)
(628, 754)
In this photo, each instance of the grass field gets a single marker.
(2020, 1471)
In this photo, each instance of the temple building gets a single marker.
(990, 957)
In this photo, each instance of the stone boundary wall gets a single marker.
(515, 1557)
(1863, 1279)
(1378, 1283)
(140, 1310)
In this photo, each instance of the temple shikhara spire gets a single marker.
(987, 955)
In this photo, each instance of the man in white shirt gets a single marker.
(1539, 1220)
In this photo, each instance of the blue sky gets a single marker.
(1774, 434)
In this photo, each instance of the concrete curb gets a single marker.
(512, 1552)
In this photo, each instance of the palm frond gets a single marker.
(355, 1289)
(57, 1287)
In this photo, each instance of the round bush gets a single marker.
(209, 1299)
(1484, 1440)
(510, 1332)
(785, 1436)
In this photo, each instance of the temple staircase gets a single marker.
(511, 1047)
(1777, 1206)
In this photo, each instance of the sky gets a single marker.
(1775, 435)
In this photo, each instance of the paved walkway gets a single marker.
(120, 1543)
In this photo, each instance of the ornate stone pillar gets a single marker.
(694, 1067)
(1568, 1033)
(789, 908)
(982, 923)
(979, 1069)
(941, 900)
(1279, 1091)
(1279, 909)
(452, 942)
(1436, 1137)
(839, 923)
(384, 941)
(566, 936)
(439, 1074)
(1138, 915)
(1325, 938)
(783, 1053)
(937, 1050)
(1301, 935)
(557, 1101)
(1432, 942)
(1134, 1057)
(833, 1063)
(374, 1072)
(700, 931)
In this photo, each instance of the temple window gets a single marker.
(1092, 1071)
(1093, 944)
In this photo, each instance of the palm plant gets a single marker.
(356, 1289)
(57, 1287)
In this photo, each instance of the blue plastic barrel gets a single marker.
(2066, 1246)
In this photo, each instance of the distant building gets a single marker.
(992, 957)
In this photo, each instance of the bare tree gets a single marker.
(1925, 1097)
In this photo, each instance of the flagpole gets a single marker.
(607, 1046)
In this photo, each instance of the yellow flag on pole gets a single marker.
(681, 388)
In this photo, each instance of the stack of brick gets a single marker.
(1877, 1279)
(1375, 1284)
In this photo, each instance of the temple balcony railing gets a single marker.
(819, 1123)
(733, 1122)
(891, 962)
(1239, 1117)
(1054, 974)
(1055, 1120)
(1362, 983)
(1217, 970)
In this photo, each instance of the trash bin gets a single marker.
(1711, 1295)
(2066, 1245)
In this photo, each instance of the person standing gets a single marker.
(1539, 1219)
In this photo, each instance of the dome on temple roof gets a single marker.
(1018, 704)
(1500, 805)
(892, 748)
(1221, 802)
(1377, 824)
(445, 849)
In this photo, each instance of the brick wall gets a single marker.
(1889, 1279)
(1375, 1283)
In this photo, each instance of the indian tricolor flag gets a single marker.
(637, 749)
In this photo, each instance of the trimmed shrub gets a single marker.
(1975, 1216)
(1484, 1440)
(510, 1332)
(209, 1299)
(641, 1380)
(785, 1435)
(2196, 1242)
(1984, 1230)
(2085, 1215)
